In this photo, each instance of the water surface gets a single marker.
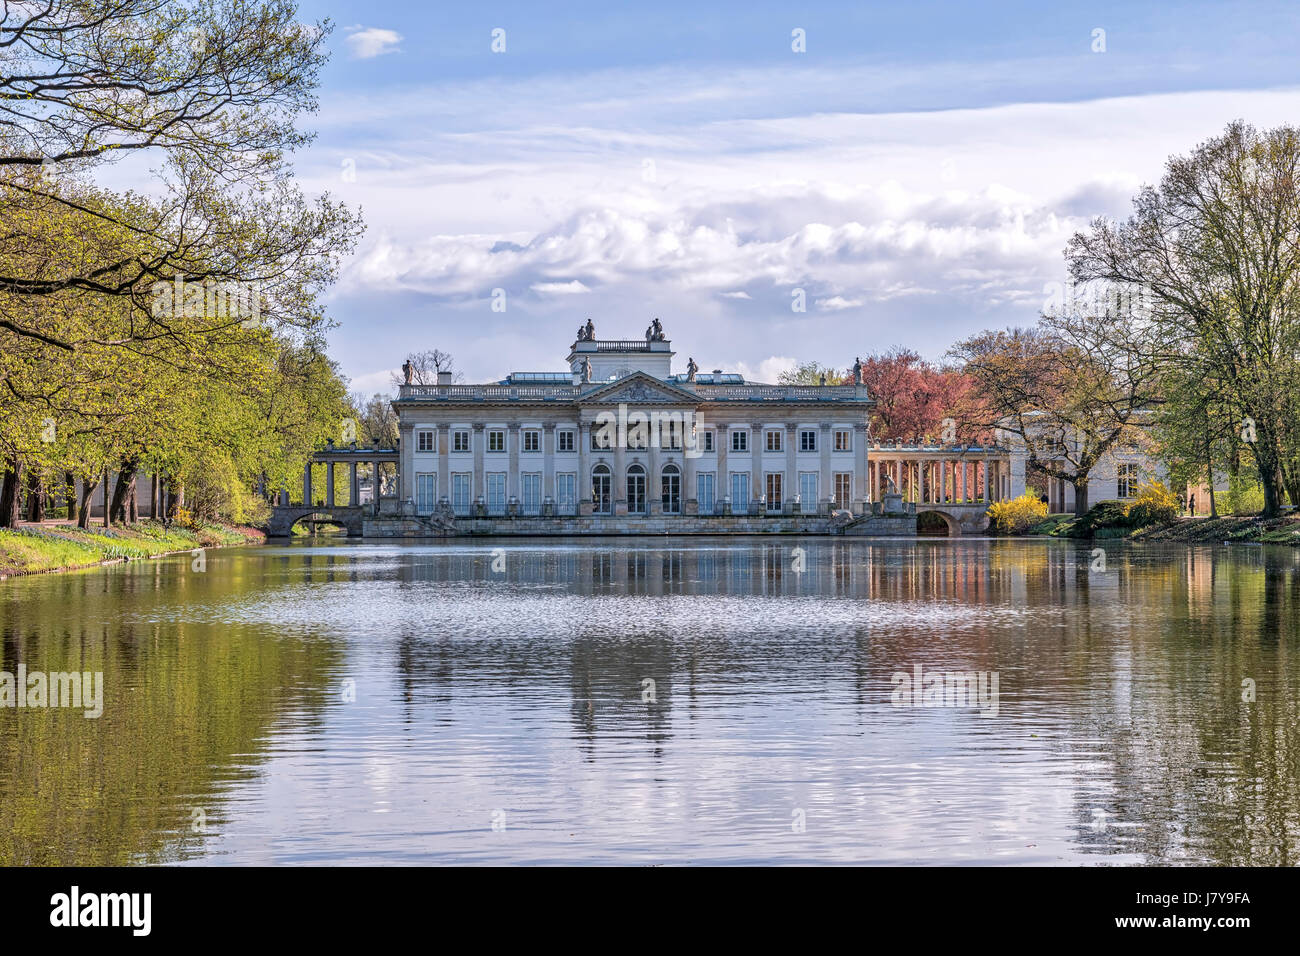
(660, 700)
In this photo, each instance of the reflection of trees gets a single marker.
(1196, 773)
(184, 704)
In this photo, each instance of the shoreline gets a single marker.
(53, 547)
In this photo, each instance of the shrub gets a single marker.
(1104, 514)
(1017, 515)
(1154, 504)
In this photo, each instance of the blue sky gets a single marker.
(916, 171)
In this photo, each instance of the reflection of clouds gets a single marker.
(524, 694)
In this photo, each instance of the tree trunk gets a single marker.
(70, 495)
(87, 493)
(125, 489)
(1209, 477)
(36, 498)
(10, 492)
(1080, 496)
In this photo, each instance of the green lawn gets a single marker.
(50, 547)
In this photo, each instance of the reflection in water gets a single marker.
(673, 700)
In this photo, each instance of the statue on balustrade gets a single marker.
(587, 333)
(407, 371)
(691, 369)
(654, 332)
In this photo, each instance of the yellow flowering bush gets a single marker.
(1017, 515)
(1153, 504)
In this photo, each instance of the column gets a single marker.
(306, 485)
(986, 481)
(722, 483)
(620, 473)
(329, 484)
(757, 486)
(689, 492)
(825, 473)
(405, 466)
(860, 458)
(790, 484)
(479, 438)
(354, 492)
(514, 484)
(442, 437)
(921, 465)
(654, 505)
(548, 461)
(584, 464)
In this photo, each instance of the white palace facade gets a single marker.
(620, 435)
(621, 442)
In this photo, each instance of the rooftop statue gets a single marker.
(691, 369)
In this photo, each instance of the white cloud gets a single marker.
(735, 295)
(368, 42)
(559, 288)
(837, 302)
(768, 370)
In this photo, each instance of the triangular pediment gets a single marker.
(640, 389)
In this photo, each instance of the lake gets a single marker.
(662, 701)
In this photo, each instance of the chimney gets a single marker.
(444, 378)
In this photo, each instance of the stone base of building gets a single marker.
(560, 525)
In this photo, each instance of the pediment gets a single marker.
(640, 389)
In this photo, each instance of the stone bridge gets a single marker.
(284, 517)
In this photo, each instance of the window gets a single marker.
(566, 486)
(704, 492)
(602, 436)
(670, 434)
(843, 439)
(532, 440)
(671, 490)
(843, 488)
(426, 487)
(496, 492)
(601, 490)
(564, 441)
(1127, 482)
(773, 441)
(773, 491)
(636, 490)
(708, 441)
(740, 441)
(460, 500)
(807, 440)
(424, 441)
(531, 499)
(496, 440)
(460, 441)
(808, 492)
(739, 491)
(638, 431)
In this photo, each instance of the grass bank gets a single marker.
(1230, 528)
(29, 549)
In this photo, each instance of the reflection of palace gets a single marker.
(619, 434)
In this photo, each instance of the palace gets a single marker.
(620, 435)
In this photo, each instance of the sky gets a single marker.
(912, 174)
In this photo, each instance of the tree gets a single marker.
(427, 365)
(812, 373)
(913, 397)
(214, 88)
(377, 422)
(1062, 388)
(1216, 249)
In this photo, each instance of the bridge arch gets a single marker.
(284, 518)
(951, 523)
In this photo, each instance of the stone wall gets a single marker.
(409, 527)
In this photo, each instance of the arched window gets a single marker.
(670, 490)
(636, 500)
(601, 490)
